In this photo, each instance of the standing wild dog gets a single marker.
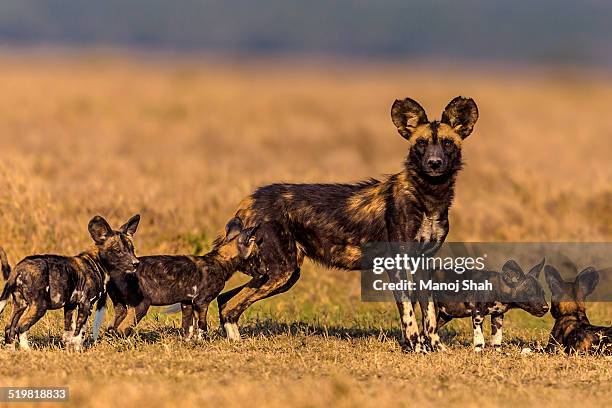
(329, 223)
(572, 331)
(512, 288)
(192, 281)
(45, 282)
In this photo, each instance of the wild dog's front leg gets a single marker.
(410, 330)
(69, 324)
(430, 325)
(497, 322)
(479, 343)
(187, 323)
(78, 334)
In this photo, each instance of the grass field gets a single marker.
(182, 142)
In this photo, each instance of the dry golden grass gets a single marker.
(182, 142)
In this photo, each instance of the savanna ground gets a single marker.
(182, 142)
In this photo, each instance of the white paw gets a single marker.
(23, 341)
(478, 349)
(526, 350)
(231, 331)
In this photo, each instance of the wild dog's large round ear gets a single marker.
(512, 274)
(232, 228)
(407, 114)
(586, 282)
(461, 114)
(554, 280)
(535, 271)
(130, 226)
(99, 229)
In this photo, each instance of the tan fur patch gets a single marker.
(447, 132)
(421, 132)
(368, 203)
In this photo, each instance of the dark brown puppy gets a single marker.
(45, 282)
(330, 223)
(573, 332)
(192, 281)
(512, 288)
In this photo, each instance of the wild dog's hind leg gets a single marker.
(280, 257)
(19, 308)
(497, 322)
(34, 313)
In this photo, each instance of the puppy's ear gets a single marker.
(535, 271)
(247, 242)
(407, 114)
(461, 114)
(512, 274)
(586, 282)
(232, 228)
(554, 280)
(99, 229)
(130, 227)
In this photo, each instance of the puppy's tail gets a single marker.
(100, 314)
(175, 308)
(6, 267)
(9, 285)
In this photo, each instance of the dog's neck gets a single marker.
(430, 191)
(92, 258)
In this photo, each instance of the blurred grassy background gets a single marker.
(183, 141)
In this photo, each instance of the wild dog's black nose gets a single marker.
(434, 163)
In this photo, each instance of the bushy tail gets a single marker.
(100, 314)
(9, 284)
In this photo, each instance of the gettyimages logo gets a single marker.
(481, 272)
(412, 264)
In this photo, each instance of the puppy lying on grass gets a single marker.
(191, 281)
(572, 332)
(46, 282)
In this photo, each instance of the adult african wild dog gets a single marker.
(573, 332)
(192, 281)
(512, 288)
(330, 222)
(45, 282)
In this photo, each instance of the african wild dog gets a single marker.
(192, 281)
(329, 223)
(512, 288)
(573, 332)
(45, 282)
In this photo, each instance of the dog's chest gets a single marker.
(430, 228)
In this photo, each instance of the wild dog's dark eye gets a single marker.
(421, 142)
(447, 143)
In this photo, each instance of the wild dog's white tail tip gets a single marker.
(175, 308)
(98, 320)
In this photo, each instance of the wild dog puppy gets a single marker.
(329, 223)
(45, 282)
(572, 332)
(192, 281)
(512, 288)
